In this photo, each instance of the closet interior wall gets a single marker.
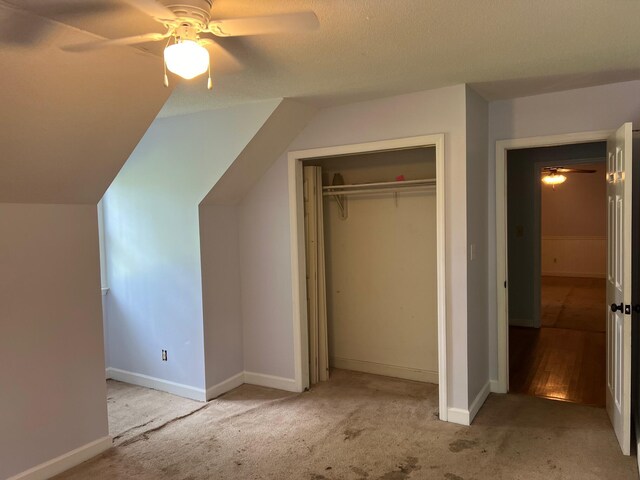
(381, 281)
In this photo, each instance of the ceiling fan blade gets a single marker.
(288, 22)
(117, 42)
(65, 7)
(554, 170)
(574, 170)
(222, 60)
(153, 9)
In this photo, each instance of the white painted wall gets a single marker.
(220, 220)
(381, 285)
(53, 396)
(381, 269)
(220, 250)
(153, 239)
(574, 225)
(582, 256)
(575, 208)
(586, 109)
(477, 117)
(264, 227)
(265, 273)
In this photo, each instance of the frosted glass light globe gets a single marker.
(187, 59)
(553, 179)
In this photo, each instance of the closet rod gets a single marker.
(408, 188)
(424, 181)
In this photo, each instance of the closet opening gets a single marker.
(370, 240)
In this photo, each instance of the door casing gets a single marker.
(298, 270)
(501, 385)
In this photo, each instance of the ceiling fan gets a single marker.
(184, 21)
(556, 175)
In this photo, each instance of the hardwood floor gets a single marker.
(567, 364)
(574, 303)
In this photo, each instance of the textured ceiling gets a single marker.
(372, 48)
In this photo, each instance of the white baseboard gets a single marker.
(574, 274)
(225, 386)
(271, 381)
(407, 373)
(479, 401)
(66, 461)
(637, 428)
(458, 415)
(522, 322)
(202, 395)
(495, 387)
(107, 373)
(179, 389)
(465, 417)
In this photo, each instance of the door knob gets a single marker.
(615, 308)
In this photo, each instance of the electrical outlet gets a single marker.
(164, 355)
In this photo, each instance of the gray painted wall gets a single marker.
(221, 219)
(604, 107)
(264, 228)
(477, 120)
(152, 239)
(53, 396)
(265, 267)
(220, 249)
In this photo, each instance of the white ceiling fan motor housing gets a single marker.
(196, 13)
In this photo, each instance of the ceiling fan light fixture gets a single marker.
(553, 179)
(186, 58)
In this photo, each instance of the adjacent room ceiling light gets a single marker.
(553, 179)
(186, 58)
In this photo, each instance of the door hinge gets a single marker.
(505, 284)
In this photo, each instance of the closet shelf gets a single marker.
(395, 187)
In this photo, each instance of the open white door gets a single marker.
(619, 261)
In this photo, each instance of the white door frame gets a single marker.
(502, 291)
(298, 273)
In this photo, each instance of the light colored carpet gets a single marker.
(133, 410)
(366, 427)
(574, 303)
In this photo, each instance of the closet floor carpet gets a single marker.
(367, 427)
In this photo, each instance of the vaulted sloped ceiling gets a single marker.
(69, 120)
(273, 138)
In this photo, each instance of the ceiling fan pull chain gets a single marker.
(164, 60)
(209, 82)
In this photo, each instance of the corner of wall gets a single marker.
(477, 120)
(221, 243)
